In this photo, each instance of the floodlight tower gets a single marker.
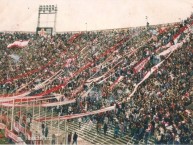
(47, 10)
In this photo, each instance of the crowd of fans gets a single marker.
(158, 108)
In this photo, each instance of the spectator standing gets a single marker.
(105, 127)
(75, 137)
(43, 129)
(53, 139)
(69, 138)
(46, 131)
(79, 122)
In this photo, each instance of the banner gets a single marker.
(71, 40)
(89, 64)
(57, 87)
(74, 74)
(13, 136)
(15, 57)
(162, 30)
(19, 128)
(21, 97)
(28, 73)
(153, 69)
(140, 65)
(18, 44)
(2, 126)
(68, 62)
(171, 49)
(59, 103)
(66, 117)
(34, 70)
(116, 82)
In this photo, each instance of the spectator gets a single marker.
(46, 131)
(79, 122)
(53, 139)
(69, 138)
(105, 127)
(43, 129)
(75, 137)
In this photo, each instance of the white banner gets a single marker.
(19, 44)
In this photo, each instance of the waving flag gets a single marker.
(140, 65)
(71, 40)
(18, 44)
(15, 57)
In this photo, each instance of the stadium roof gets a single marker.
(21, 15)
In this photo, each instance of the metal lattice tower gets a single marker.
(47, 10)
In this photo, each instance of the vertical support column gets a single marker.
(51, 125)
(20, 113)
(1, 112)
(66, 132)
(39, 117)
(26, 116)
(33, 111)
(12, 115)
(56, 9)
(38, 25)
(58, 129)
(7, 117)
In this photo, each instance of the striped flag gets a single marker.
(18, 44)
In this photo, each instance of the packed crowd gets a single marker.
(158, 108)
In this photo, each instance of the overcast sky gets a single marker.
(21, 15)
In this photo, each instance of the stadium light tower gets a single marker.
(47, 10)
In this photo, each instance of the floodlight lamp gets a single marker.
(40, 8)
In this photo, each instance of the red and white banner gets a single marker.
(155, 68)
(111, 49)
(22, 97)
(83, 68)
(13, 136)
(2, 126)
(19, 128)
(28, 73)
(18, 44)
(66, 117)
(140, 65)
(171, 49)
(116, 82)
(47, 104)
(74, 37)
(69, 61)
(162, 30)
(34, 70)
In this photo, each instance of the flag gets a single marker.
(71, 40)
(15, 57)
(140, 65)
(162, 30)
(18, 44)
(154, 32)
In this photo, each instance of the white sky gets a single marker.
(21, 15)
